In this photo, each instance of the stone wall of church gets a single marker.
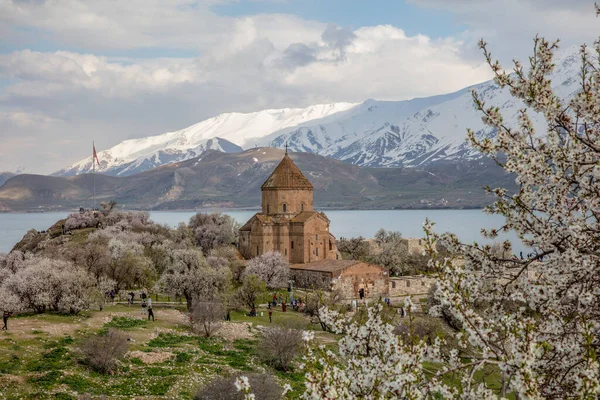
(295, 200)
(297, 244)
(372, 279)
(307, 279)
(319, 244)
(245, 244)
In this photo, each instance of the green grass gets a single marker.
(51, 367)
(126, 323)
(78, 383)
(182, 357)
(170, 340)
(55, 359)
(46, 380)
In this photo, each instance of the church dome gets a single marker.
(287, 176)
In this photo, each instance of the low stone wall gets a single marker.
(410, 285)
(307, 279)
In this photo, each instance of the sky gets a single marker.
(77, 71)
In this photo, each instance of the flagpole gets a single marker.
(94, 172)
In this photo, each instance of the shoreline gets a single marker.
(236, 209)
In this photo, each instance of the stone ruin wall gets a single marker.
(410, 285)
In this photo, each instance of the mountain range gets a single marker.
(410, 133)
(232, 180)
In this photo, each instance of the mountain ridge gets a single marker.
(407, 133)
(233, 180)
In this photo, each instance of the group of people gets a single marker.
(146, 304)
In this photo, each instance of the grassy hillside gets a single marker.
(39, 357)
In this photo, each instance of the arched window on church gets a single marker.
(284, 207)
(302, 207)
(286, 252)
(268, 209)
(292, 244)
(330, 246)
(317, 252)
(256, 250)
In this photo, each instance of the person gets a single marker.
(283, 306)
(5, 319)
(270, 315)
(150, 313)
(228, 316)
(144, 306)
(132, 295)
(253, 312)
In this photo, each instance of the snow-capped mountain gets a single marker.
(415, 132)
(225, 132)
(373, 133)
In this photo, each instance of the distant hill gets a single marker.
(4, 176)
(233, 180)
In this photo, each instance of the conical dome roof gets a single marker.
(287, 176)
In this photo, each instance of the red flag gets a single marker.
(95, 155)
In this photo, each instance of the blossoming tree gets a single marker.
(271, 267)
(535, 320)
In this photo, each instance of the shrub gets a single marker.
(264, 387)
(279, 346)
(207, 317)
(103, 352)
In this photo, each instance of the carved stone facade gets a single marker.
(288, 224)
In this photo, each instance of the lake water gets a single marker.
(466, 224)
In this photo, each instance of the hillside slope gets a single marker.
(233, 180)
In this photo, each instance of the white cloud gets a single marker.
(510, 26)
(62, 99)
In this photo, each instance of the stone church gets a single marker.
(288, 224)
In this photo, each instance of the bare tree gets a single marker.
(279, 346)
(103, 352)
(207, 317)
